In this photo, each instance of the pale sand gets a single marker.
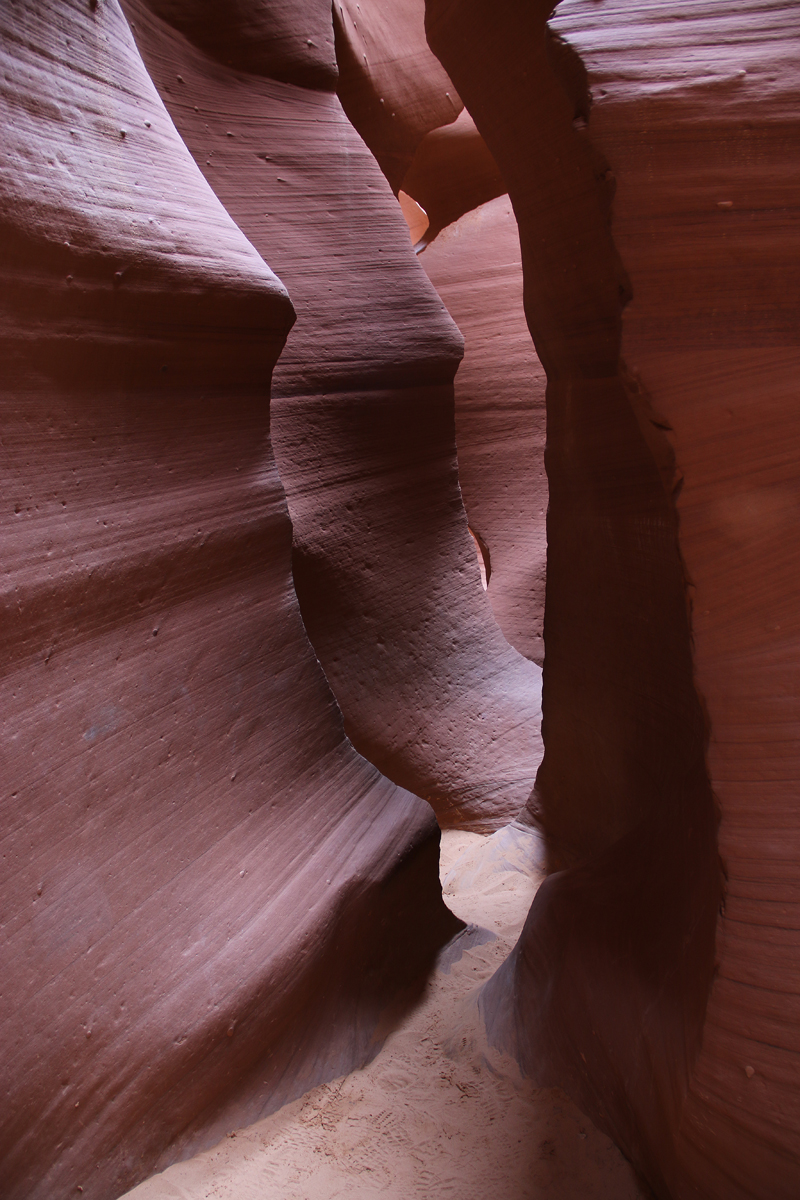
(437, 1113)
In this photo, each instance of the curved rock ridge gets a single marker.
(499, 387)
(478, 276)
(209, 900)
(363, 428)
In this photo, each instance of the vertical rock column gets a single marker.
(607, 990)
(696, 108)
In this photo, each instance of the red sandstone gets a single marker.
(237, 431)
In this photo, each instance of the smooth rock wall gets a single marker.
(606, 992)
(391, 86)
(694, 121)
(393, 92)
(452, 173)
(696, 108)
(209, 900)
(363, 428)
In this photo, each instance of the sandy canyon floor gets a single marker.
(438, 1113)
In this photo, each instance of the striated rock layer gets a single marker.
(697, 111)
(363, 428)
(209, 900)
(684, 1055)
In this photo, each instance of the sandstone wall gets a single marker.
(209, 899)
(663, 1000)
(363, 429)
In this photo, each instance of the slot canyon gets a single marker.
(400, 627)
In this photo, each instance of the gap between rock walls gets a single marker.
(438, 1112)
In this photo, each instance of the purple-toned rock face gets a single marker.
(238, 565)
(662, 999)
(362, 424)
(209, 899)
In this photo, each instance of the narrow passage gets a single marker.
(438, 1113)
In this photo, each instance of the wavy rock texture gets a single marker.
(363, 427)
(695, 112)
(208, 899)
(500, 413)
